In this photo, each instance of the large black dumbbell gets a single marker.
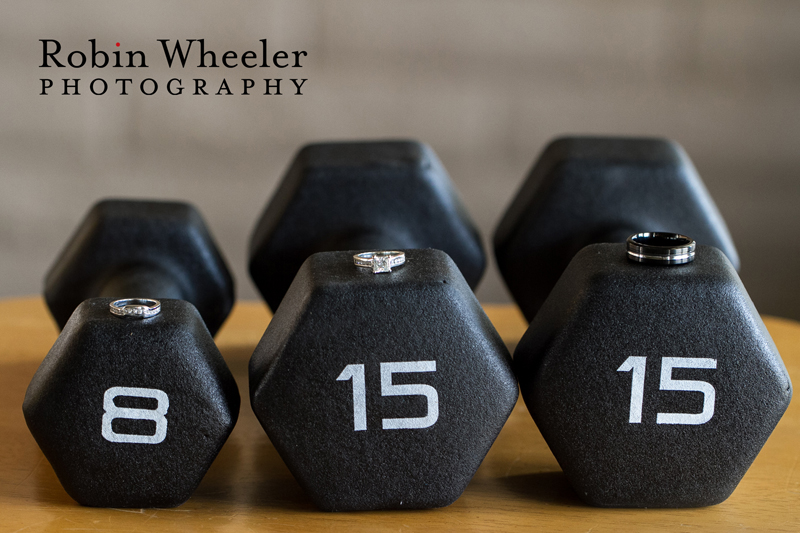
(381, 391)
(360, 196)
(128, 248)
(654, 383)
(134, 401)
(585, 190)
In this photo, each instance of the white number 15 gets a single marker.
(638, 365)
(356, 373)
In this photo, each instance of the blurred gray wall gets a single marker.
(486, 84)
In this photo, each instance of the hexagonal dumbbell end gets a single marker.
(134, 248)
(131, 412)
(361, 196)
(586, 190)
(654, 384)
(381, 391)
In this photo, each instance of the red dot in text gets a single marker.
(117, 44)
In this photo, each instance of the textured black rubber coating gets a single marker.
(335, 315)
(605, 309)
(141, 249)
(361, 195)
(585, 190)
(172, 352)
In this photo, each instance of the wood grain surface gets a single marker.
(518, 486)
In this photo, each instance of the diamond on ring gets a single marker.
(135, 307)
(379, 262)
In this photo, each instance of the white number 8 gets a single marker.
(112, 411)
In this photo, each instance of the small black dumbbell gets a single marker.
(360, 196)
(585, 190)
(134, 401)
(381, 391)
(127, 248)
(131, 412)
(650, 375)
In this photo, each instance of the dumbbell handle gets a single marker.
(373, 240)
(144, 281)
(615, 234)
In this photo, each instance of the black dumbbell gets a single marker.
(652, 378)
(360, 196)
(381, 391)
(128, 248)
(134, 401)
(585, 190)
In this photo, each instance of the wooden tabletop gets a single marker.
(248, 487)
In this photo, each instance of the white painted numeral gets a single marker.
(113, 412)
(638, 365)
(355, 372)
(667, 383)
(388, 389)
